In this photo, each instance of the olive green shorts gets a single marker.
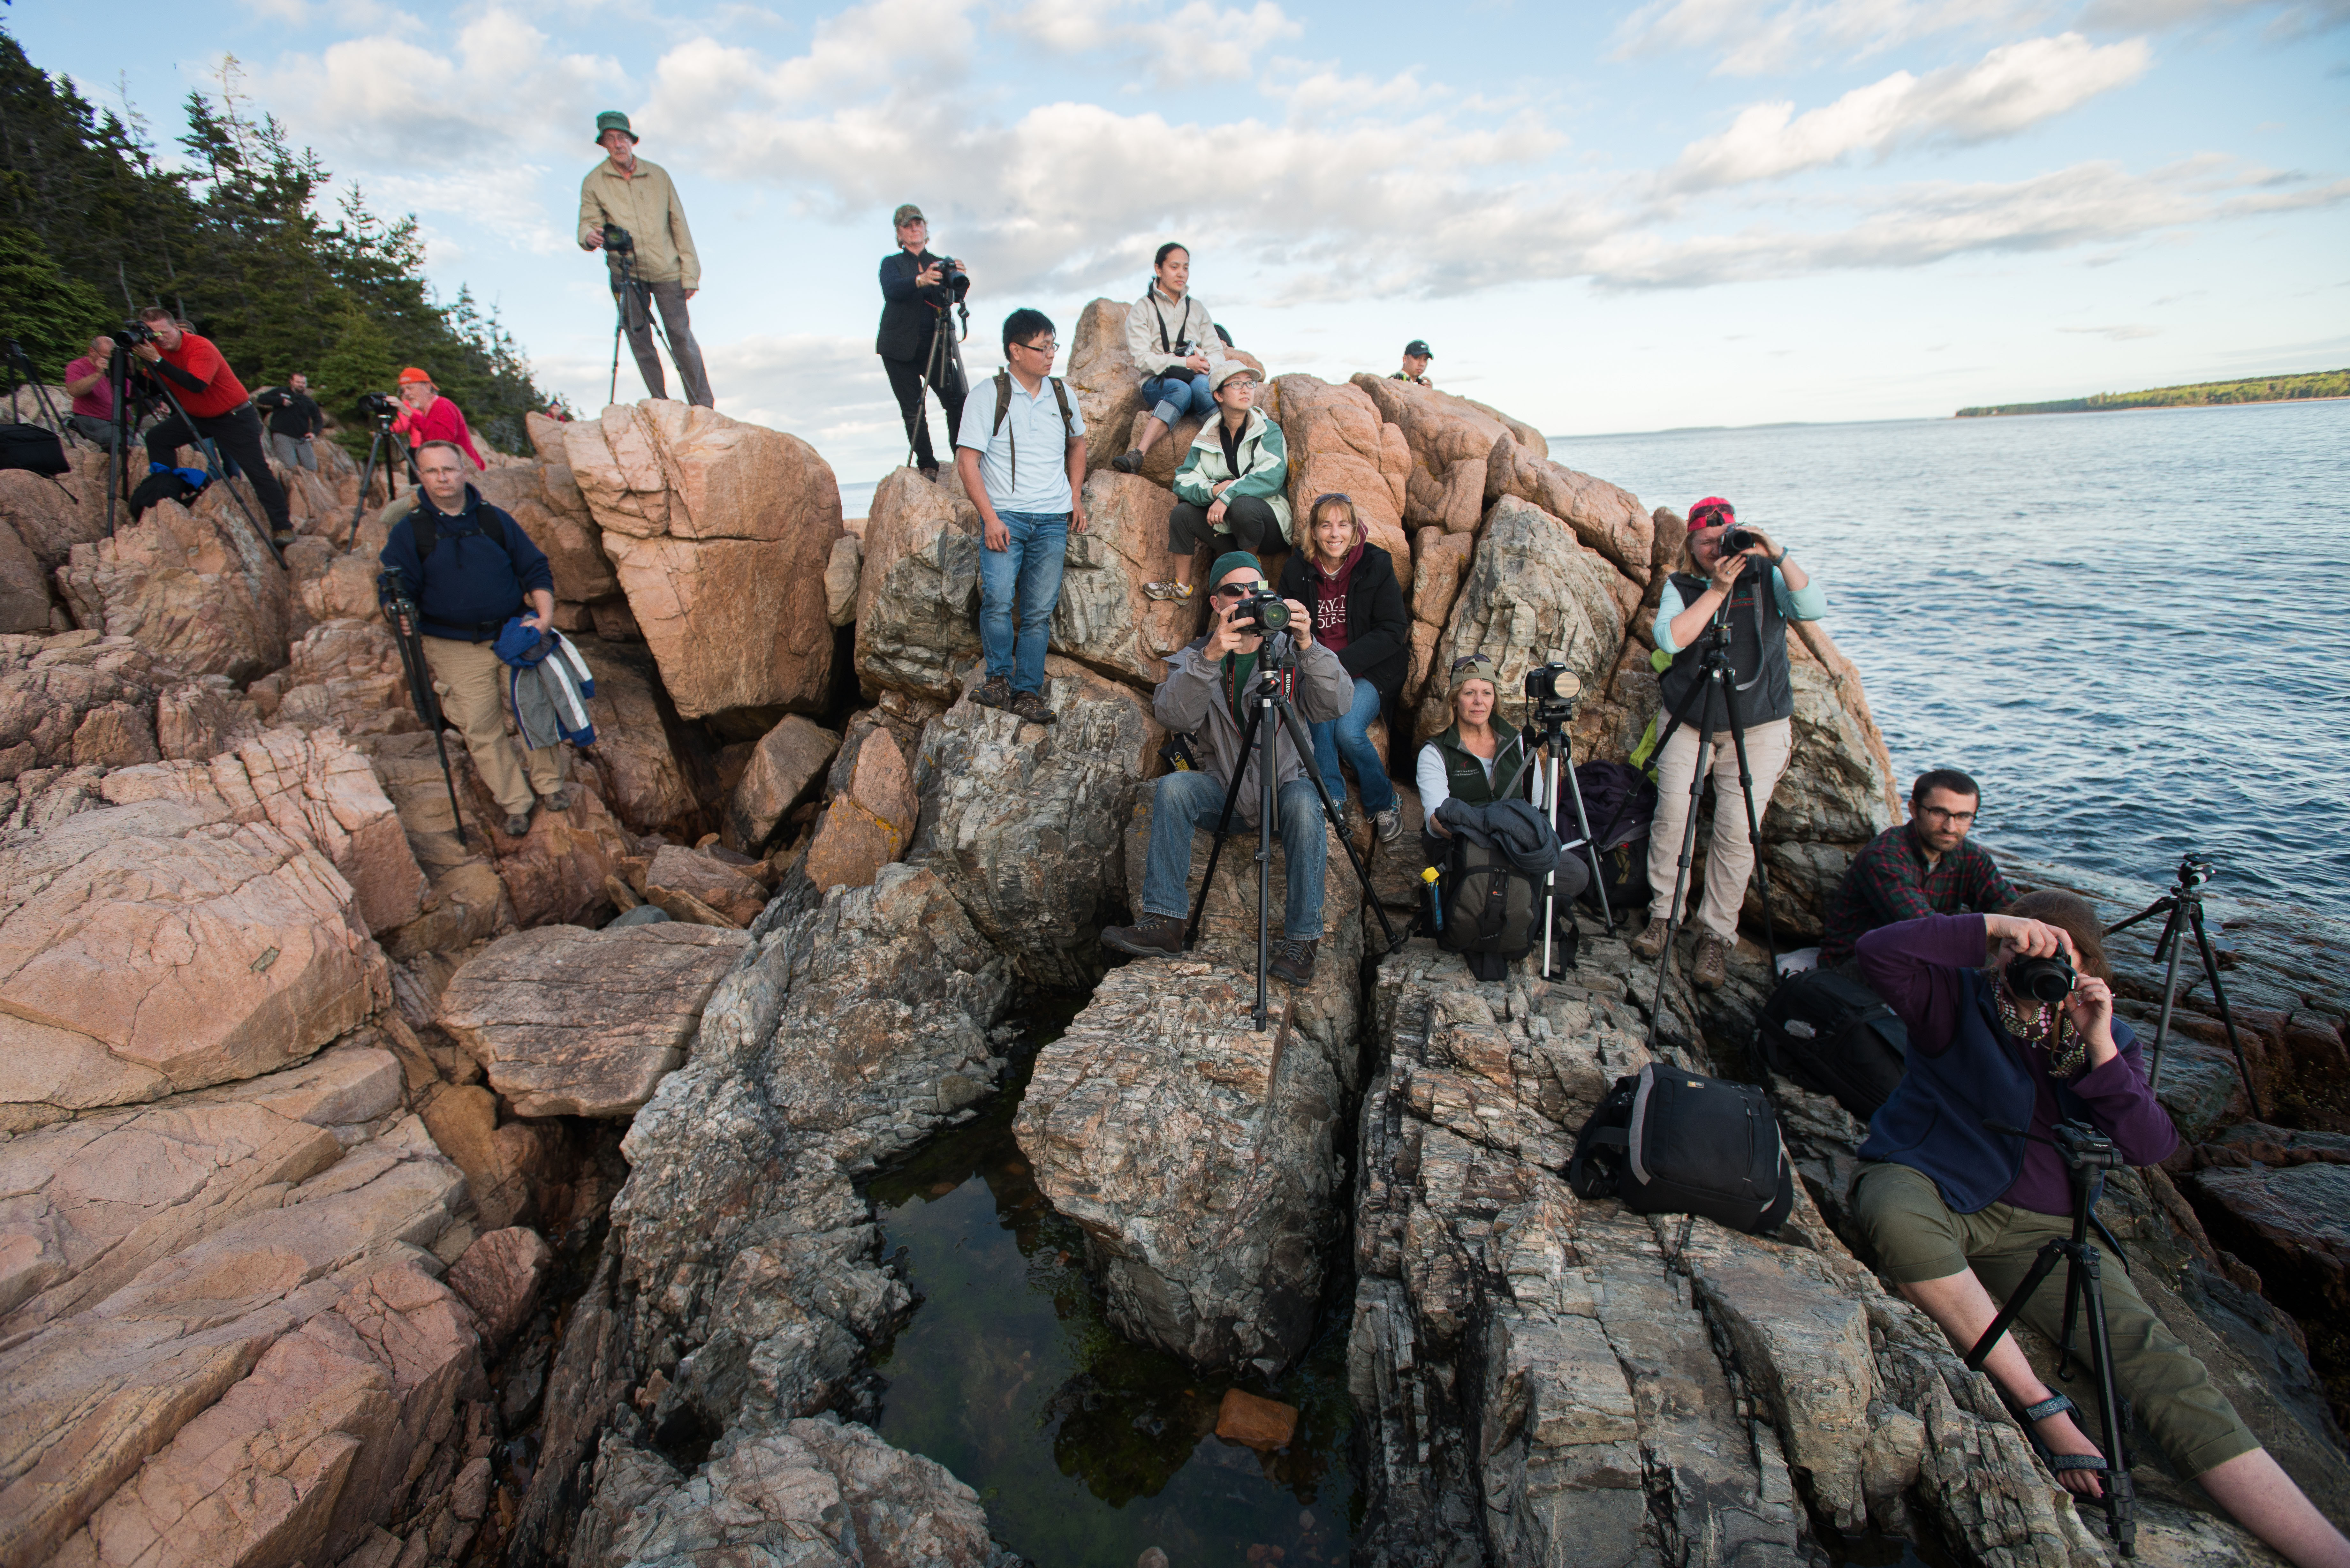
(1917, 1238)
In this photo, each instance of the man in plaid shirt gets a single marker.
(1925, 866)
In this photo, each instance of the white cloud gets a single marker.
(2121, 333)
(2012, 88)
(1195, 45)
(1749, 39)
(2294, 19)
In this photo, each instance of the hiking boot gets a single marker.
(1651, 942)
(1129, 461)
(1177, 592)
(560, 801)
(518, 824)
(996, 691)
(1152, 936)
(930, 474)
(1293, 960)
(1387, 826)
(1032, 708)
(1713, 966)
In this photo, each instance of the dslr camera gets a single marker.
(378, 405)
(1552, 685)
(617, 240)
(133, 331)
(1262, 611)
(1738, 540)
(2048, 980)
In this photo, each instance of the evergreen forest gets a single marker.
(2201, 394)
(232, 240)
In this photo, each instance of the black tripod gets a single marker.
(400, 453)
(2182, 908)
(18, 362)
(630, 292)
(118, 372)
(391, 591)
(2089, 1155)
(1554, 691)
(1714, 686)
(1278, 665)
(942, 368)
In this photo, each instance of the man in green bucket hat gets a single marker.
(629, 194)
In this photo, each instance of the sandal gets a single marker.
(1178, 593)
(2057, 1405)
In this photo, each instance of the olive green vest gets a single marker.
(1464, 774)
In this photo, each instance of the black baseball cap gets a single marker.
(1418, 346)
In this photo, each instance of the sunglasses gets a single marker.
(1240, 590)
(1467, 659)
(1331, 495)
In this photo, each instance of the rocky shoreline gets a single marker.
(374, 1195)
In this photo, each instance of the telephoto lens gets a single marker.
(1264, 612)
(1738, 540)
(2040, 979)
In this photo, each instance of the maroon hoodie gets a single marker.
(1330, 595)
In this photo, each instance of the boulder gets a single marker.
(24, 587)
(841, 573)
(50, 518)
(1531, 594)
(636, 767)
(1025, 823)
(554, 874)
(196, 720)
(2288, 1224)
(719, 533)
(569, 1022)
(550, 508)
(1104, 381)
(199, 593)
(1450, 440)
(1850, 792)
(48, 684)
(499, 1276)
(869, 822)
(783, 768)
(1103, 618)
(116, 735)
(1605, 517)
(710, 882)
(1338, 441)
(918, 598)
(330, 583)
(167, 945)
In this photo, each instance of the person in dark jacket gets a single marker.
(1763, 590)
(1359, 615)
(1956, 1212)
(918, 290)
(483, 571)
(294, 422)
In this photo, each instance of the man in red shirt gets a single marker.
(430, 416)
(217, 410)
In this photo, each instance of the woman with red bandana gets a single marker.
(430, 416)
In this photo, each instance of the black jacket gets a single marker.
(291, 413)
(481, 566)
(910, 310)
(1378, 629)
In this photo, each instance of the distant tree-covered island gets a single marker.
(2252, 390)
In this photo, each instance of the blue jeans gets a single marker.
(1171, 396)
(1350, 737)
(1184, 802)
(1025, 577)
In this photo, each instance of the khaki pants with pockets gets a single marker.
(472, 683)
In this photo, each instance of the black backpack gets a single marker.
(1618, 801)
(1671, 1142)
(1834, 1036)
(33, 448)
(166, 484)
(1491, 909)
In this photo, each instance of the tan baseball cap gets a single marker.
(909, 214)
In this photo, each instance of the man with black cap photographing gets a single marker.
(631, 205)
(1416, 357)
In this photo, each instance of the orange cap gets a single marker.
(413, 374)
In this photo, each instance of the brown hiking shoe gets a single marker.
(518, 824)
(1032, 708)
(1152, 936)
(1293, 960)
(1713, 966)
(996, 691)
(1651, 942)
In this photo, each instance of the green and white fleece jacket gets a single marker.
(1263, 466)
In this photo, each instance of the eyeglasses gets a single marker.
(1955, 818)
(1239, 590)
(1048, 348)
(1467, 659)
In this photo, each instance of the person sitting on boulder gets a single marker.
(1923, 867)
(1232, 489)
(1955, 1211)
(1762, 693)
(1359, 615)
(475, 577)
(1208, 687)
(1478, 760)
(1174, 340)
(1415, 356)
(427, 416)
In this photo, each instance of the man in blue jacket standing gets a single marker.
(470, 568)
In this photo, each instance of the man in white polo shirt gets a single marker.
(1021, 453)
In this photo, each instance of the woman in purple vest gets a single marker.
(1956, 1212)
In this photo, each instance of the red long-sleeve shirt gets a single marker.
(206, 386)
(441, 421)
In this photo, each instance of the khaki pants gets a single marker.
(1728, 858)
(1915, 1237)
(472, 683)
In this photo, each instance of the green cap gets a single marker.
(613, 119)
(1231, 561)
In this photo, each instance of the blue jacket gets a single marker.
(1934, 1120)
(482, 565)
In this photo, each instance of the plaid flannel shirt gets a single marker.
(1890, 880)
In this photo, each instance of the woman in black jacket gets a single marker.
(918, 290)
(1358, 614)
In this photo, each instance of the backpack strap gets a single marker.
(1003, 406)
(423, 522)
(1061, 396)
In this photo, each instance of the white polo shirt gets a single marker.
(1033, 424)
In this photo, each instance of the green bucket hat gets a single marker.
(613, 119)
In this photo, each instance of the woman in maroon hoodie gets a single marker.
(1359, 615)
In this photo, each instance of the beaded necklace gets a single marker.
(2043, 1030)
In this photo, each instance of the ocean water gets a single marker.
(2132, 628)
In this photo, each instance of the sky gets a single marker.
(1603, 218)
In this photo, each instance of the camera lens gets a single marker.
(2040, 978)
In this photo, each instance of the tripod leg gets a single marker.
(2042, 1266)
(366, 477)
(1754, 835)
(2120, 1496)
(2194, 903)
(1590, 848)
(1697, 771)
(1224, 828)
(2170, 939)
(1267, 766)
(1302, 739)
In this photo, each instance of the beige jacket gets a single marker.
(1188, 320)
(646, 204)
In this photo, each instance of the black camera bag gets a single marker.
(33, 448)
(1833, 1035)
(1619, 800)
(1491, 909)
(1673, 1142)
(164, 485)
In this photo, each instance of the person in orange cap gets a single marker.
(430, 416)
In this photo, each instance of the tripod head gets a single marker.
(2081, 1145)
(2194, 870)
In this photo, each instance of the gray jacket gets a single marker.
(1190, 700)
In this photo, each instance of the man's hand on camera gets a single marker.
(2019, 937)
(1301, 623)
(930, 276)
(1767, 545)
(147, 351)
(593, 240)
(1223, 636)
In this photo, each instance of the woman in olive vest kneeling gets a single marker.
(1478, 760)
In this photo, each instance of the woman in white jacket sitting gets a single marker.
(1172, 338)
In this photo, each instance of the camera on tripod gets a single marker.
(1262, 611)
(617, 241)
(2194, 869)
(1553, 687)
(378, 405)
(134, 331)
